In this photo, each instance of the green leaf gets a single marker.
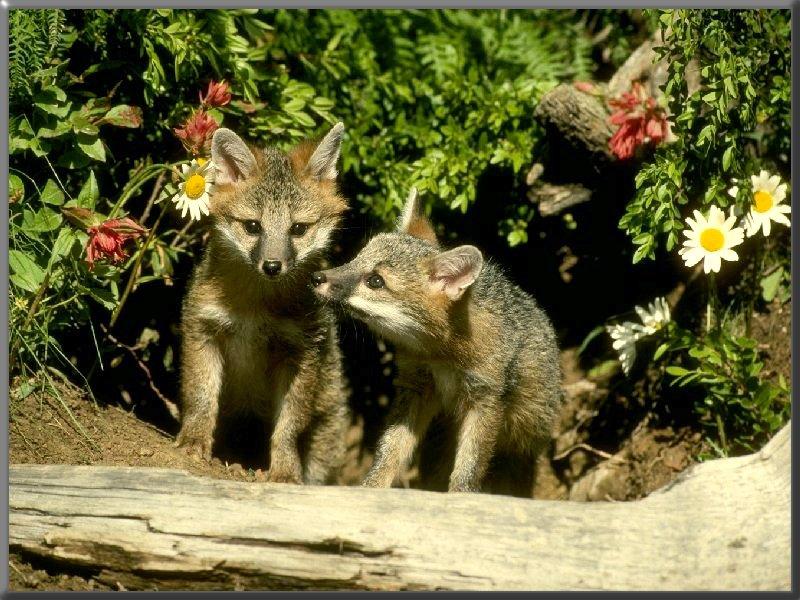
(62, 246)
(52, 194)
(589, 337)
(87, 198)
(125, 116)
(81, 123)
(726, 158)
(640, 253)
(16, 189)
(60, 128)
(770, 285)
(43, 220)
(104, 296)
(677, 371)
(516, 237)
(52, 101)
(26, 273)
(73, 159)
(217, 115)
(660, 351)
(92, 146)
(294, 105)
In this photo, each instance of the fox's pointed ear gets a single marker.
(453, 271)
(232, 157)
(412, 221)
(322, 164)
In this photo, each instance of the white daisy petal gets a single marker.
(781, 218)
(713, 263)
(693, 256)
(199, 178)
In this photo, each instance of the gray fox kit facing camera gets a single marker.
(470, 344)
(254, 337)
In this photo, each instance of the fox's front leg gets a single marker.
(201, 380)
(293, 416)
(476, 443)
(408, 421)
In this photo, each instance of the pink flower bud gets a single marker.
(196, 132)
(217, 94)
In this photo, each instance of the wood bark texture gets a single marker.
(722, 525)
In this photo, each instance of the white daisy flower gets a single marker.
(196, 188)
(655, 316)
(768, 194)
(627, 333)
(625, 336)
(710, 239)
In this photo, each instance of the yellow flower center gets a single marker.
(712, 239)
(762, 201)
(195, 186)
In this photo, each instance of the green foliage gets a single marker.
(739, 406)
(432, 98)
(34, 37)
(731, 125)
(740, 111)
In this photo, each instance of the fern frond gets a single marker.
(34, 37)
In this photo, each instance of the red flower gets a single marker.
(217, 94)
(107, 239)
(640, 121)
(196, 132)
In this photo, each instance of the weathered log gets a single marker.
(578, 132)
(578, 118)
(723, 524)
(553, 199)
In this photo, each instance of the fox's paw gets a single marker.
(196, 445)
(283, 477)
(464, 486)
(281, 474)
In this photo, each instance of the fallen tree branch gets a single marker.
(553, 199)
(722, 525)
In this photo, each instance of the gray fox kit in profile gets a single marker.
(470, 344)
(255, 339)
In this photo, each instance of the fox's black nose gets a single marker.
(272, 267)
(318, 278)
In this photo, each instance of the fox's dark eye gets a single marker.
(298, 229)
(252, 227)
(375, 281)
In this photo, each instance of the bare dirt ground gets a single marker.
(609, 443)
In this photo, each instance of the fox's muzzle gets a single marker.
(334, 284)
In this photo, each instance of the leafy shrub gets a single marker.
(732, 133)
(430, 98)
(736, 121)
